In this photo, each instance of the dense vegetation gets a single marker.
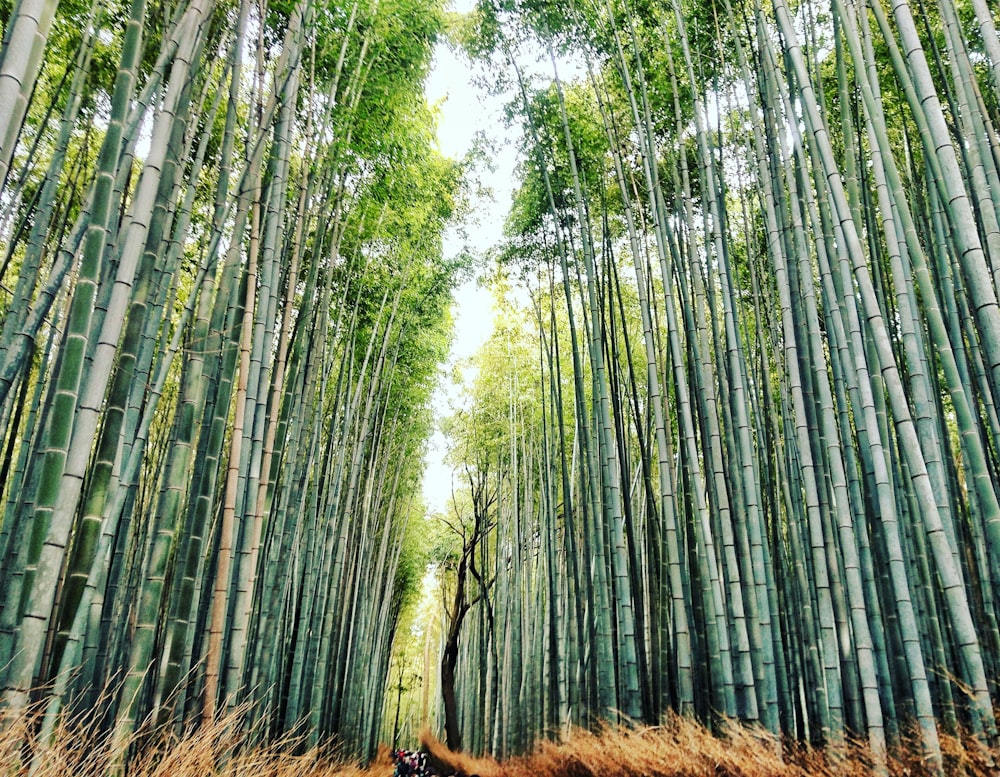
(678, 747)
(224, 298)
(732, 450)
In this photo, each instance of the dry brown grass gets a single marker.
(682, 748)
(218, 750)
(679, 748)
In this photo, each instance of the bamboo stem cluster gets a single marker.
(760, 243)
(223, 296)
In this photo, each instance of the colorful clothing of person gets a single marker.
(411, 764)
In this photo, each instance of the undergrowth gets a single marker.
(678, 748)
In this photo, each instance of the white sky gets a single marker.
(464, 110)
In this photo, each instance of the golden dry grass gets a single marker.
(679, 748)
(683, 748)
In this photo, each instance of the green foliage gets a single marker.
(337, 197)
(824, 431)
(402, 35)
(533, 227)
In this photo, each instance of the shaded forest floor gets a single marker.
(677, 749)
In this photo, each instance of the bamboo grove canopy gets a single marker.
(224, 300)
(738, 456)
(734, 452)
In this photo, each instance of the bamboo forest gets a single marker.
(728, 457)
